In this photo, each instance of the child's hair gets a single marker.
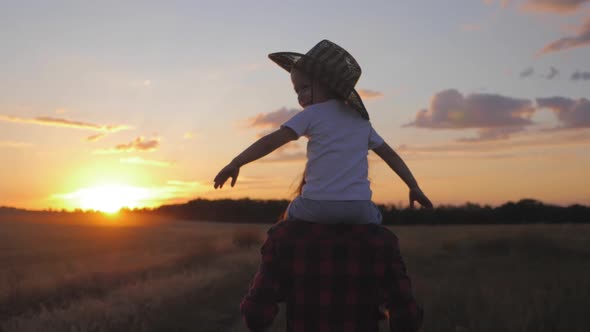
(297, 192)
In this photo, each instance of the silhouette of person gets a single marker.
(332, 277)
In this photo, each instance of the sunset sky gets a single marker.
(120, 103)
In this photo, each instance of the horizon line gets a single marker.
(50, 209)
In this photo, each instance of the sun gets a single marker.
(110, 198)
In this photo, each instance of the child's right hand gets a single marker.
(228, 171)
(416, 194)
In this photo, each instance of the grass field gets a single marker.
(190, 276)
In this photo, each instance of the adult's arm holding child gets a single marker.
(259, 149)
(396, 163)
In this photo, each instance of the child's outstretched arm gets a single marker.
(259, 149)
(396, 163)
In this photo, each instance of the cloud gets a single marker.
(269, 122)
(176, 191)
(141, 161)
(496, 116)
(292, 151)
(487, 134)
(581, 38)
(571, 113)
(138, 144)
(369, 94)
(514, 147)
(553, 6)
(527, 72)
(13, 144)
(530, 71)
(552, 73)
(543, 6)
(581, 75)
(95, 138)
(272, 119)
(59, 122)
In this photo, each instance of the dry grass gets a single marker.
(188, 276)
(247, 238)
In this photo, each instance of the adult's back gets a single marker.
(338, 277)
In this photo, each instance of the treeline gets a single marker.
(269, 211)
(525, 211)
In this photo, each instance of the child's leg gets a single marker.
(331, 212)
(374, 214)
(299, 210)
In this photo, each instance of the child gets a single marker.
(335, 184)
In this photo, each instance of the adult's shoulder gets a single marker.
(383, 233)
(283, 227)
(293, 228)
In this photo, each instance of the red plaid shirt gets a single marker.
(333, 278)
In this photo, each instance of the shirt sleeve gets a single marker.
(300, 123)
(404, 312)
(374, 139)
(260, 306)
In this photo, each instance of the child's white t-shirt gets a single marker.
(339, 142)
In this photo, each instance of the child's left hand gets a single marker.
(228, 171)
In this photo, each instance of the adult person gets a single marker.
(333, 277)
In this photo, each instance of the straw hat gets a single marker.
(332, 65)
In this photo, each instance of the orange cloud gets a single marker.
(369, 94)
(543, 6)
(141, 161)
(292, 151)
(553, 6)
(272, 119)
(58, 122)
(270, 122)
(496, 149)
(95, 138)
(138, 144)
(487, 134)
(581, 38)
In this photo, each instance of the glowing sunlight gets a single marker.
(109, 198)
